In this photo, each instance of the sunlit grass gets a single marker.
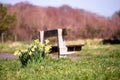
(84, 42)
(104, 67)
(10, 47)
(100, 62)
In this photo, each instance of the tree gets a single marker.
(7, 21)
(117, 13)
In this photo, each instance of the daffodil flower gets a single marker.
(46, 41)
(17, 52)
(30, 53)
(24, 51)
(36, 41)
(35, 46)
(47, 49)
(33, 49)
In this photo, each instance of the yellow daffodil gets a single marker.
(30, 53)
(33, 49)
(35, 46)
(36, 41)
(47, 41)
(47, 49)
(24, 51)
(17, 52)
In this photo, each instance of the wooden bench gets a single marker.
(69, 48)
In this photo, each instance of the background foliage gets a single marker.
(7, 22)
(79, 23)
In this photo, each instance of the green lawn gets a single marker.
(103, 63)
(102, 67)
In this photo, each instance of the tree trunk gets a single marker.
(2, 37)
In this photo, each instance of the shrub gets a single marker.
(36, 52)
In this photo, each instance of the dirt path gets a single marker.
(7, 56)
(11, 56)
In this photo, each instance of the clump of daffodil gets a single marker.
(35, 52)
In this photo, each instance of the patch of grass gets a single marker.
(84, 42)
(94, 50)
(102, 67)
(12, 46)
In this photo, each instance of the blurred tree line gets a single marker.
(29, 19)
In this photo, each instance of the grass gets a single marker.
(10, 47)
(104, 67)
(103, 63)
(95, 50)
